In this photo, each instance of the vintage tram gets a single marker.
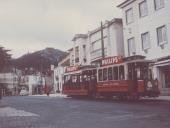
(80, 81)
(125, 78)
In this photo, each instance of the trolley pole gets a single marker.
(102, 41)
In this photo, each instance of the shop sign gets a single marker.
(71, 69)
(112, 60)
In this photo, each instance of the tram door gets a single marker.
(91, 80)
(132, 75)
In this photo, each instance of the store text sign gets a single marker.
(71, 68)
(112, 60)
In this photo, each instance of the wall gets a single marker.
(153, 20)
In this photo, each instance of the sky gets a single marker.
(30, 25)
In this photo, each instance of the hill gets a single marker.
(39, 60)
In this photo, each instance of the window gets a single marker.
(95, 45)
(159, 4)
(131, 47)
(84, 53)
(110, 74)
(100, 75)
(162, 35)
(145, 41)
(77, 54)
(84, 50)
(115, 72)
(143, 9)
(121, 73)
(129, 16)
(104, 74)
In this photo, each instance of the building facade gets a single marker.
(112, 36)
(59, 71)
(58, 79)
(9, 81)
(80, 52)
(88, 47)
(146, 26)
(34, 84)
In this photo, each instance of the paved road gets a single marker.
(58, 112)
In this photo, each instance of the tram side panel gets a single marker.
(120, 80)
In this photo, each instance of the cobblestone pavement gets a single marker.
(61, 112)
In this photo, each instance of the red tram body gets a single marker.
(129, 77)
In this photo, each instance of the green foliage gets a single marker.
(4, 58)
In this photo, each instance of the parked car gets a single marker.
(24, 92)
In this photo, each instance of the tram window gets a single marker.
(78, 80)
(94, 72)
(105, 74)
(115, 72)
(121, 73)
(73, 79)
(139, 75)
(110, 74)
(150, 74)
(100, 75)
(81, 79)
(130, 71)
(144, 72)
(67, 80)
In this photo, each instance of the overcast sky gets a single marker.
(30, 25)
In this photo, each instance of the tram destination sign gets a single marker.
(112, 60)
(71, 69)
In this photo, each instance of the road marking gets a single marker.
(12, 112)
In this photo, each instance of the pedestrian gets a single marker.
(47, 90)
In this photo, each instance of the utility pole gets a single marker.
(102, 41)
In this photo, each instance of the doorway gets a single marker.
(164, 73)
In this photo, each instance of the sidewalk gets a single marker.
(163, 98)
(64, 96)
(166, 98)
(52, 95)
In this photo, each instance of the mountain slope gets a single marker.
(40, 60)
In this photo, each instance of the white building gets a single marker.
(87, 48)
(59, 71)
(146, 26)
(10, 82)
(33, 83)
(112, 39)
(58, 78)
(79, 55)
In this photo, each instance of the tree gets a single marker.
(4, 58)
(4, 61)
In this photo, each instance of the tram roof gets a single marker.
(75, 72)
(136, 58)
(139, 60)
(80, 69)
(131, 59)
